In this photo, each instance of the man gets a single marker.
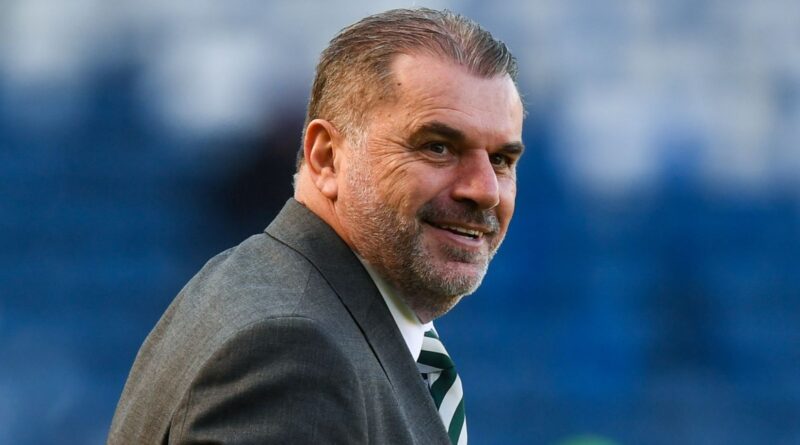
(311, 331)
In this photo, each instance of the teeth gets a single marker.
(461, 230)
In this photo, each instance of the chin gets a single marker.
(436, 286)
(453, 280)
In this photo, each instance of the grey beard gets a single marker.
(394, 245)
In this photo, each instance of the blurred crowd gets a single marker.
(648, 291)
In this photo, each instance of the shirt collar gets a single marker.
(406, 320)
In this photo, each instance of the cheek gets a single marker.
(409, 187)
(394, 186)
(508, 194)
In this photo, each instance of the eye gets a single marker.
(500, 160)
(438, 148)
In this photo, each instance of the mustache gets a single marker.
(459, 212)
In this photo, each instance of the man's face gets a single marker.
(429, 198)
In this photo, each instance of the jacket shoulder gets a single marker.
(245, 287)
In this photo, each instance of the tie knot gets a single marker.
(433, 357)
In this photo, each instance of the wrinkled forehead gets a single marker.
(389, 79)
(426, 88)
(420, 58)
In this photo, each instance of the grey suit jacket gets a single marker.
(283, 339)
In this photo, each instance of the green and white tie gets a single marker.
(445, 386)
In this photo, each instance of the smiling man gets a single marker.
(320, 330)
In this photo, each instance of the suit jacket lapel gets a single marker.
(303, 231)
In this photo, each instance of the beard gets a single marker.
(431, 276)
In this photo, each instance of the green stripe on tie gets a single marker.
(441, 386)
(435, 360)
(454, 430)
(447, 386)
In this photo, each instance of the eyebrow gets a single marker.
(454, 134)
(439, 129)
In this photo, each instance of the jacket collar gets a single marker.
(303, 231)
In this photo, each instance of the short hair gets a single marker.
(354, 72)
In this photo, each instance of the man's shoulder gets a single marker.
(261, 278)
(278, 273)
(251, 294)
(260, 269)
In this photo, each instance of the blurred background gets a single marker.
(648, 291)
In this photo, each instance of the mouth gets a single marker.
(473, 233)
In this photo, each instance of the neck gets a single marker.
(306, 193)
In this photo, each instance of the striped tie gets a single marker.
(445, 386)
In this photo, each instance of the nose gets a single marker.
(476, 181)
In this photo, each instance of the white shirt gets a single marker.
(406, 320)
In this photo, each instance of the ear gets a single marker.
(320, 148)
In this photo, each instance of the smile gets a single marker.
(467, 232)
(474, 234)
